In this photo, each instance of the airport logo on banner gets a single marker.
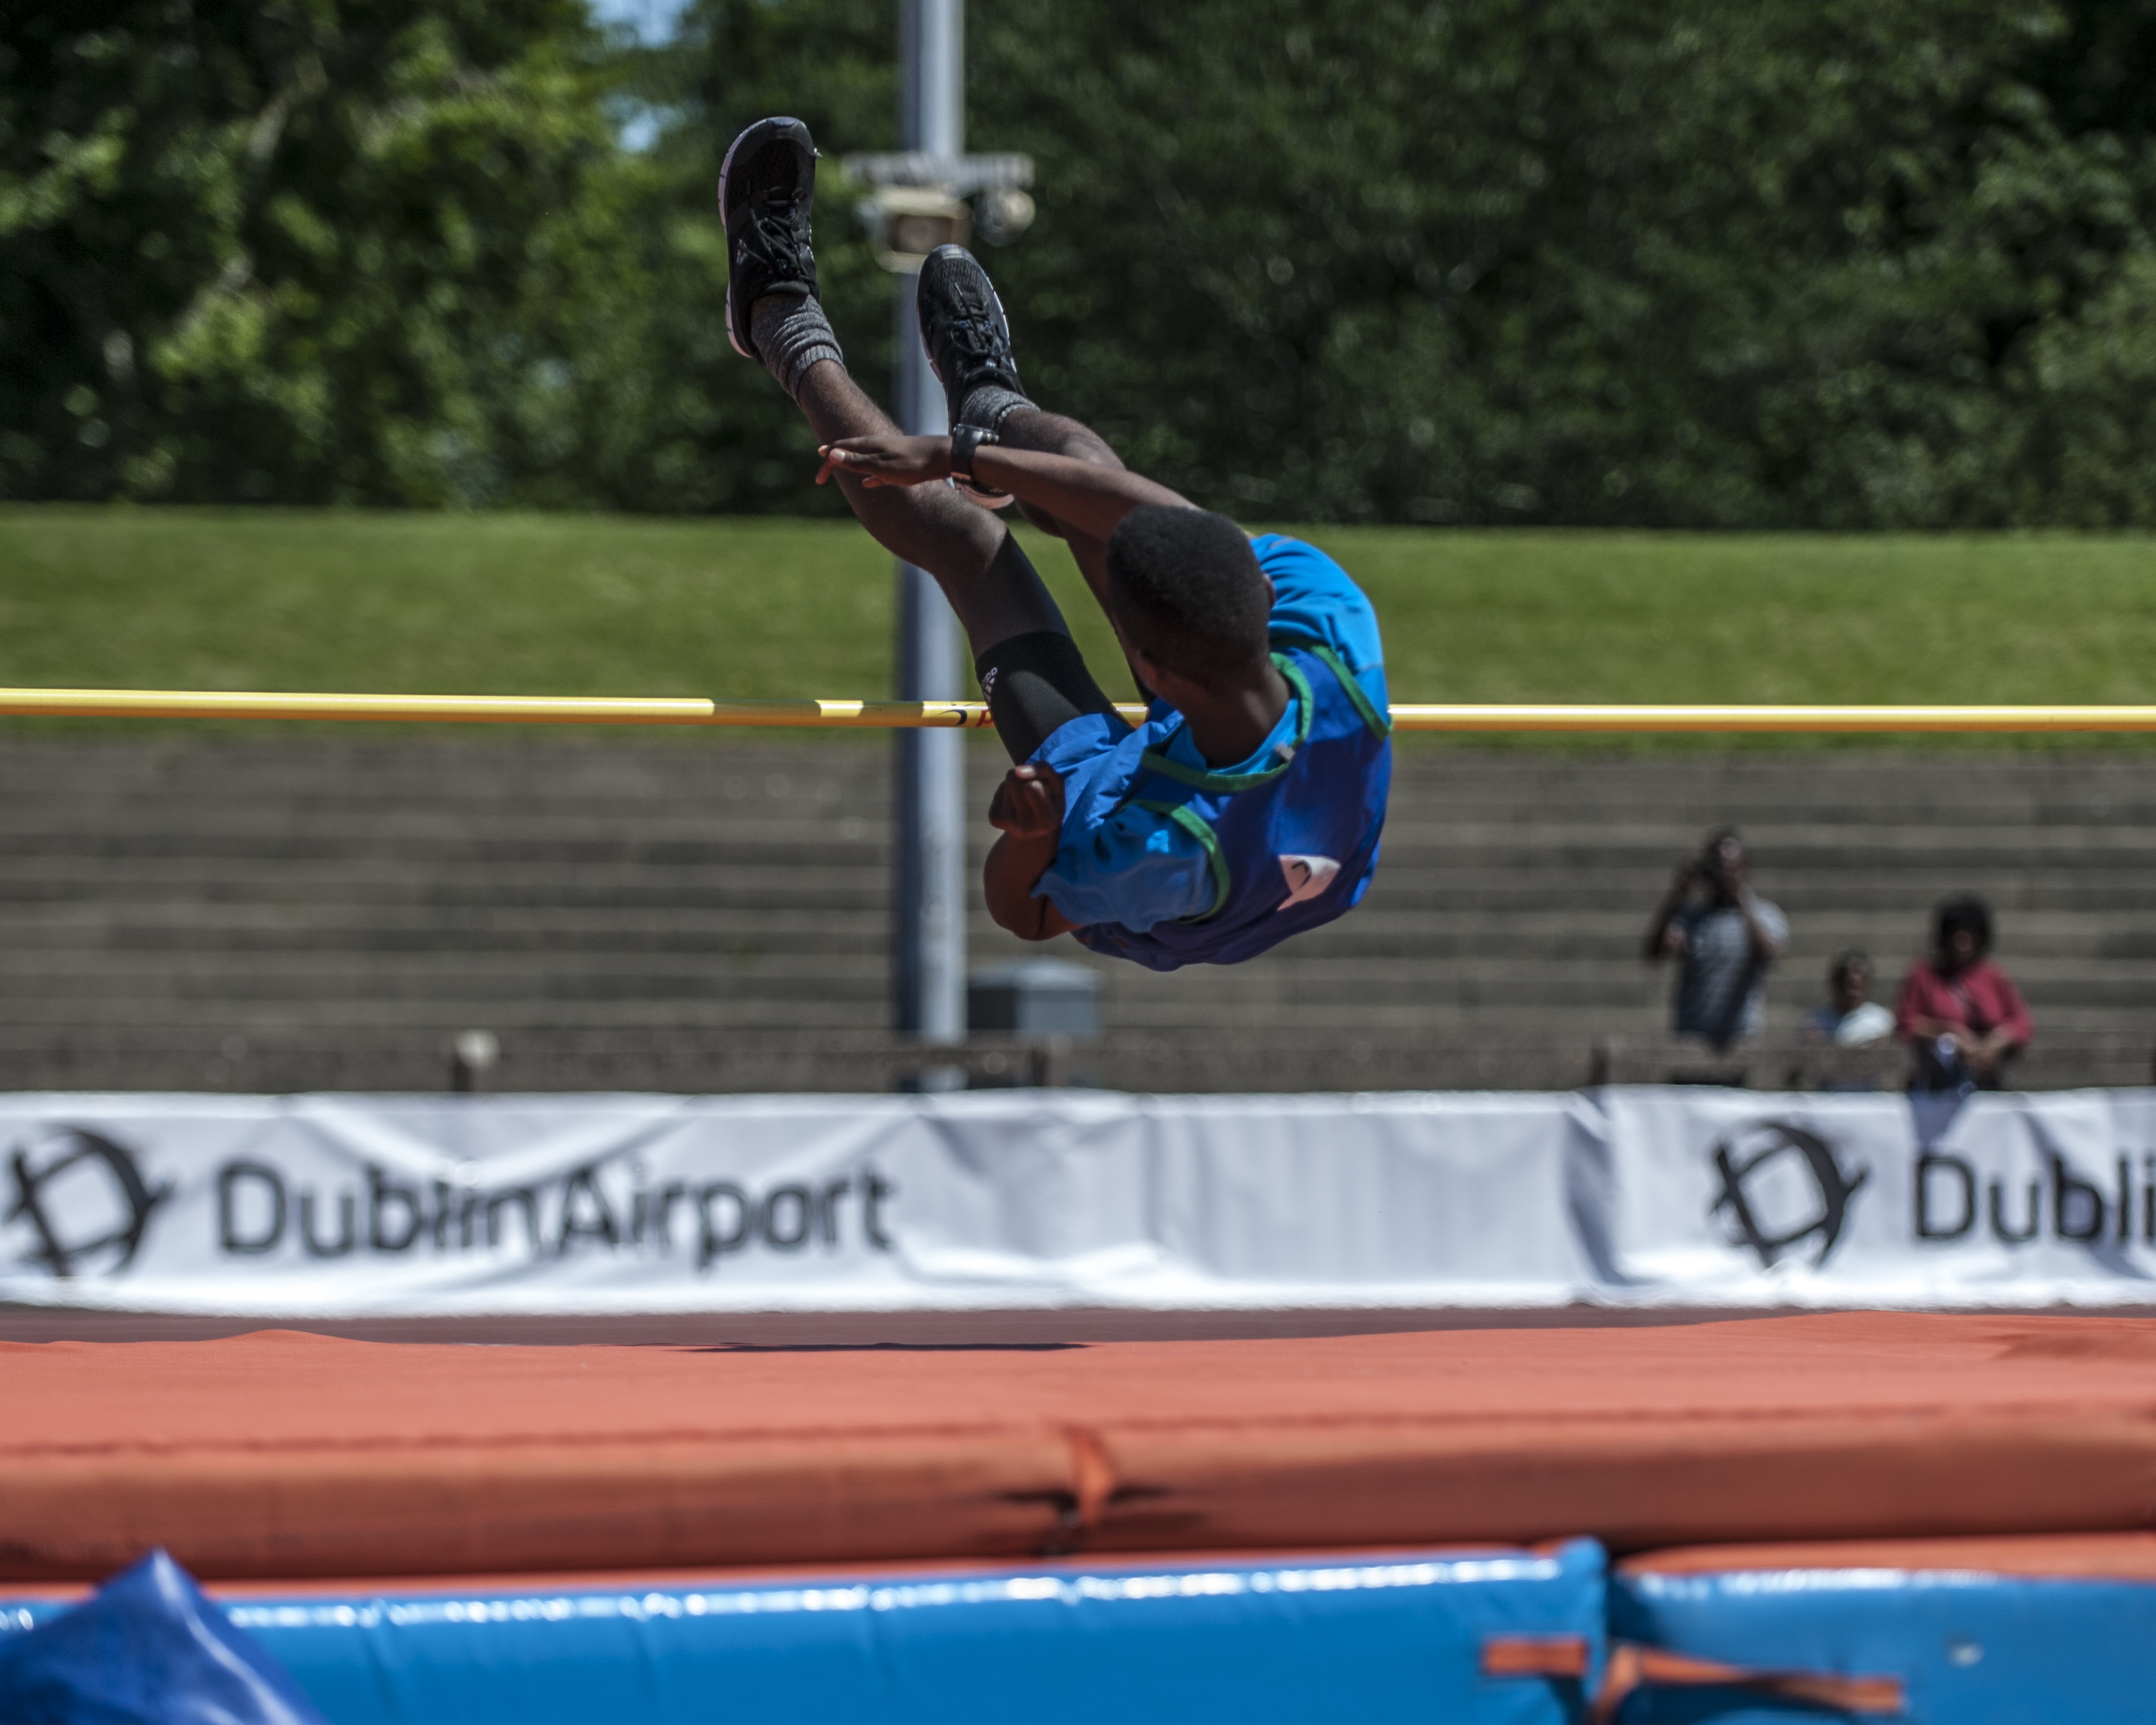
(338, 1204)
(1752, 1161)
(83, 1200)
(1855, 1200)
(211, 1200)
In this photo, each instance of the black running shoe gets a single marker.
(968, 337)
(963, 327)
(767, 185)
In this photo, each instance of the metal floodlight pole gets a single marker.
(928, 904)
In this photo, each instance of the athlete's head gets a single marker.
(1187, 592)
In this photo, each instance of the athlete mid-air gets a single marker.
(1247, 806)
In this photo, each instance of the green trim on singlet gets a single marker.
(1201, 830)
(1154, 761)
(1382, 723)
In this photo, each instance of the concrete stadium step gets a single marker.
(605, 895)
(1379, 931)
(842, 1061)
(238, 929)
(862, 886)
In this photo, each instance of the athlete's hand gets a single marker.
(1029, 803)
(887, 458)
(1028, 808)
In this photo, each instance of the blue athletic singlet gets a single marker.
(1290, 846)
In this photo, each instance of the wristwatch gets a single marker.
(965, 439)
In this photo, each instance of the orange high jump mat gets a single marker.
(284, 1454)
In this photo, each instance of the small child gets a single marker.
(1852, 1018)
(1247, 806)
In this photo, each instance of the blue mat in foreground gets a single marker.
(1964, 1647)
(1389, 1638)
(148, 1649)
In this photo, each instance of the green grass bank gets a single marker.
(581, 605)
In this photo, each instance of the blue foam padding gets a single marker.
(146, 1649)
(1972, 1649)
(1378, 1639)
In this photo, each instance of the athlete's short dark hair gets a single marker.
(1187, 591)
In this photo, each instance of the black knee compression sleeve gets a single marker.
(1035, 684)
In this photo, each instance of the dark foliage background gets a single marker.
(1809, 263)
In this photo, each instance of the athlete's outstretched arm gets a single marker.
(1091, 498)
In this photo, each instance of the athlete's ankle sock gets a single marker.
(986, 405)
(791, 334)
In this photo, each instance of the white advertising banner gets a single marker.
(352, 1206)
(1726, 1198)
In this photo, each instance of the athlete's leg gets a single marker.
(774, 315)
(1032, 672)
(991, 583)
(1035, 680)
(968, 341)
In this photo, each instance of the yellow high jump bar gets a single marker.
(953, 715)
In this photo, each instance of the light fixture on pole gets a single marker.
(917, 201)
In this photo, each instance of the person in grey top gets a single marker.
(1724, 937)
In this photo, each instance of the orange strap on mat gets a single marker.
(1632, 1667)
(1536, 1656)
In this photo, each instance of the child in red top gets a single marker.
(1962, 1014)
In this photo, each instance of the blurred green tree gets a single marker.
(310, 250)
(717, 433)
(1810, 263)
(1806, 262)
(1566, 261)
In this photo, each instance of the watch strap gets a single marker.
(965, 440)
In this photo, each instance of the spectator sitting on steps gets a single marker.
(1852, 1018)
(1962, 1014)
(1724, 938)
